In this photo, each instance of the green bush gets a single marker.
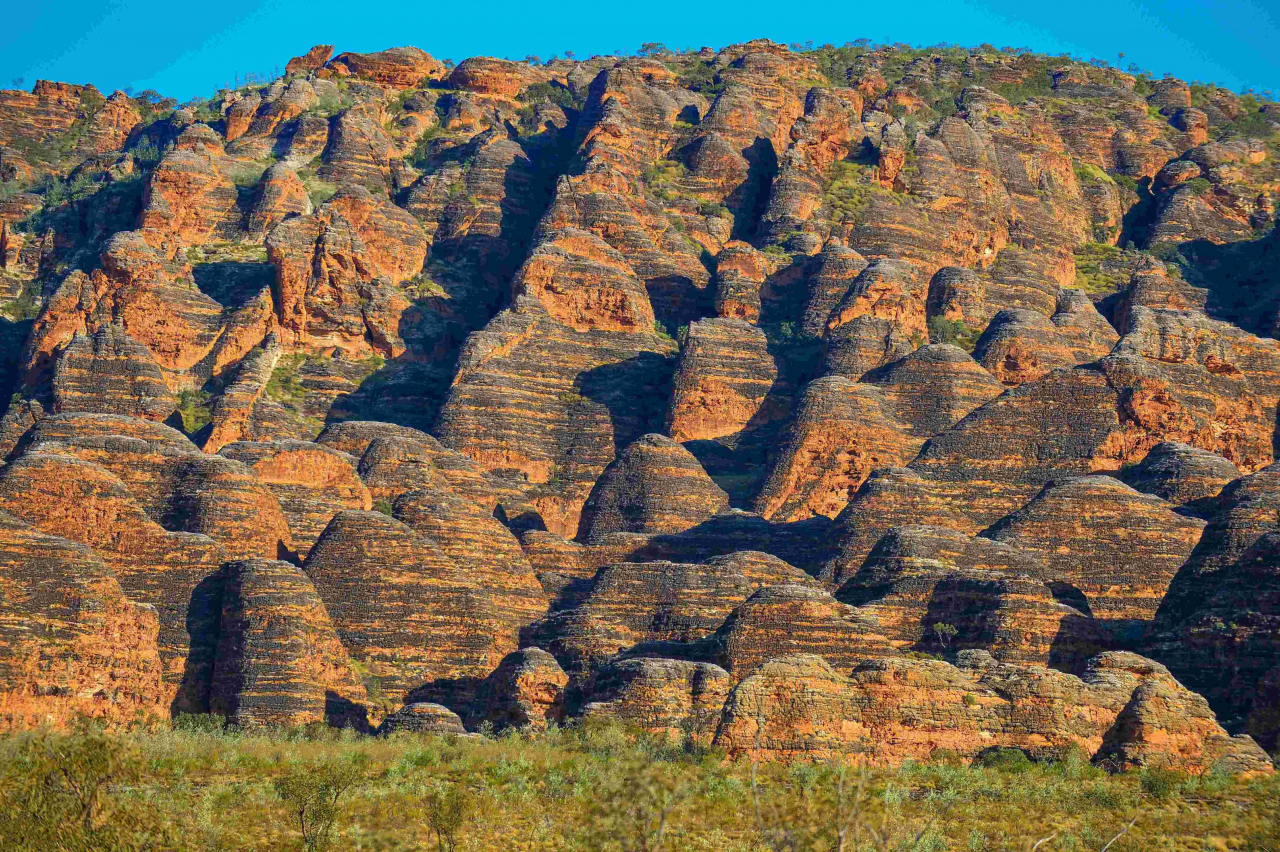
(955, 332)
(198, 723)
(1009, 760)
(447, 809)
(1160, 783)
(56, 794)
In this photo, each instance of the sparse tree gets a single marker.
(311, 793)
(446, 812)
(945, 632)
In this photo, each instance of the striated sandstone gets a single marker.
(403, 610)
(526, 690)
(674, 699)
(800, 706)
(1181, 474)
(312, 482)
(1119, 547)
(841, 431)
(73, 644)
(279, 661)
(653, 486)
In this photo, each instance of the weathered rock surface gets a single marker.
(654, 486)
(312, 482)
(403, 609)
(784, 619)
(526, 690)
(279, 661)
(484, 550)
(1180, 473)
(722, 381)
(422, 717)
(630, 603)
(1125, 711)
(1119, 547)
(73, 643)
(842, 430)
(675, 699)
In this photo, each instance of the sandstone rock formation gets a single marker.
(402, 608)
(73, 643)
(673, 366)
(1120, 548)
(654, 486)
(801, 705)
(526, 690)
(279, 661)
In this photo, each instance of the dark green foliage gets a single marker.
(1160, 783)
(1200, 186)
(1010, 760)
(701, 77)
(198, 723)
(955, 332)
(447, 810)
(383, 506)
(196, 409)
(553, 93)
(1253, 123)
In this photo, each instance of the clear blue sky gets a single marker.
(184, 49)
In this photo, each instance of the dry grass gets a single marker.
(597, 787)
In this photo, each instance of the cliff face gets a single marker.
(777, 398)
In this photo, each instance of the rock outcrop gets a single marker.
(1119, 547)
(72, 643)
(653, 486)
(403, 610)
(1125, 711)
(279, 661)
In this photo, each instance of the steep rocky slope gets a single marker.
(864, 400)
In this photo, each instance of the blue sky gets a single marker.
(186, 49)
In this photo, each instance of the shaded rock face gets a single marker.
(526, 690)
(422, 717)
(998, 457)
(934, 387)
(1119, 547)
(279, 661)
(918, 581)
(889, 497)
(1125, 710)
(722, 380)
(631, 603)
(568, 399)
(675, 699)
(1222, 643)
(403, 610)
(95, 651)
(654, 486)
(1181, 474)
(841, 432)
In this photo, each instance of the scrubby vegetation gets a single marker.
(590, 786)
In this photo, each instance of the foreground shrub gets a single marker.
(55, 794)
(311, 792)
